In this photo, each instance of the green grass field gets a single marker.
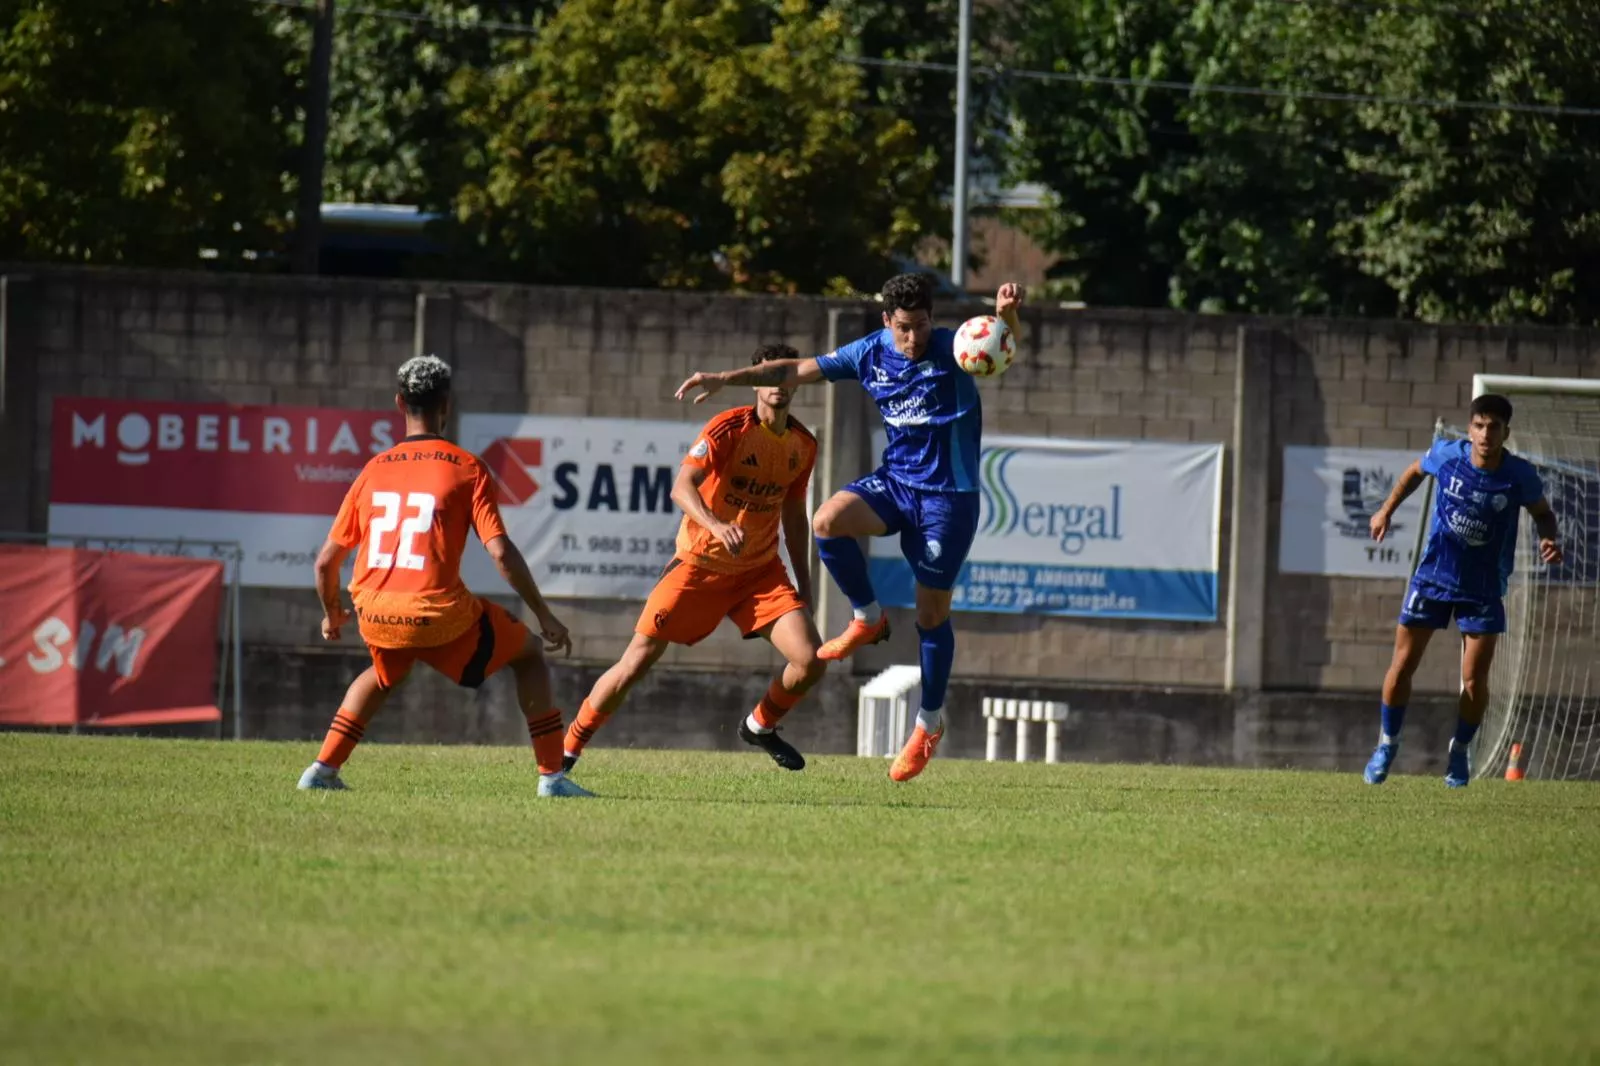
(173, 902)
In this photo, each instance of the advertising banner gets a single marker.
(270, 478)
(101, 638)
(587, 500)
(1329, 498)
(1112, 529)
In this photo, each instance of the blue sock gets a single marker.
(1393, 719)
(1465, 731)
(845, 561)
(938, 654)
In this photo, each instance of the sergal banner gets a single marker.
(1118, 529)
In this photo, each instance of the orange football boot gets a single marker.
(857, 634)
(913, 758)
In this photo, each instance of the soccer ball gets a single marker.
(984, 346)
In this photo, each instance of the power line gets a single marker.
(1404, 8)
(1202, 89)
(996, 71)
(414, 17)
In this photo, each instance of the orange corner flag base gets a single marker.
(1514, 764)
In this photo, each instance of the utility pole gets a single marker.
(958, 224)
(308, 213)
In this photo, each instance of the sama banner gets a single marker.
(269, 478)
(587, 500)
(1102, 529)
(103, 638)
(1329, 498)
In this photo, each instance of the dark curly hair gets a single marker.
(768, 352)
(908, 292)
(424, 383)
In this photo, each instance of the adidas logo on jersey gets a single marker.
(751, 460)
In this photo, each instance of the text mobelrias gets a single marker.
(137, 435)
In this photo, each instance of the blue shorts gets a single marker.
(936, 528)
(1432, 608)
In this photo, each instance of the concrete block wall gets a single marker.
(1100, 373)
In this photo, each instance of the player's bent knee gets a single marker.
(933, 607)
(642, 654)
(811, 668)
(822, 523)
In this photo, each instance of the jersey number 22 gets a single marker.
(387, 513)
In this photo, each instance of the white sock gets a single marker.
(573, 754)
(552, 776)
(868, 614)
(753, 725)
(324, 770)
(929, 720)
(1385, 738)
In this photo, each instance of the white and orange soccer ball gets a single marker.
(984, 346)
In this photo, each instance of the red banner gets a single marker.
(211, 457)
(108, 639)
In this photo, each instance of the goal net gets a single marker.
(1544, 687)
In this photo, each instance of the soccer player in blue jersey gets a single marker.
(926, 489)
(1463, 573)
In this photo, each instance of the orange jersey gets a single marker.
(750, 472)
(407, 514)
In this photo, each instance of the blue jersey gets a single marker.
(1473, 543)
(930, 409)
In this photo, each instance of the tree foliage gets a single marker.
(1298, 204)
(395, 133)
(139, 131)
(691, 143)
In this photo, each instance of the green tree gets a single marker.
(1297, 204)
(140, 131)
(394, 132)
(694, 143)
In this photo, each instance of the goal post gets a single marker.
(1544, 688)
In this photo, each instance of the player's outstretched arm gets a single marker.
(797, 538)
(1544, 521)
(329, 560)
(1007, 299)
(1404, 486)
(514, 569)
(788, 373)
(686, 494)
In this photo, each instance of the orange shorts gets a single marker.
(689, 601)
(496, 638)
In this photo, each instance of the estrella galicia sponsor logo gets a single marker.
(1362, 492)
(1072, 524)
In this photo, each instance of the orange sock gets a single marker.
(584, 727)
(343, 736)
(778, 702)
(545, 732)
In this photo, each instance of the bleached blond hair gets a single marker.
(424, 381)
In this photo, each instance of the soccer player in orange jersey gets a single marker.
(743, 480)
(407, 516)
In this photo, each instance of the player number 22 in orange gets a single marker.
(388, 513)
